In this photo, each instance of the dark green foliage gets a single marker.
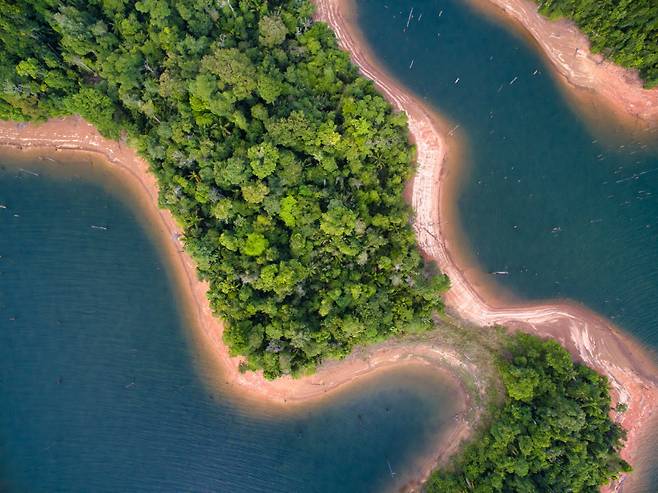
(552, 434)
(626, 31)
(284, 167)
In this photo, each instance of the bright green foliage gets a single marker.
(285, 168)
(552, 434)
(626, 31)
(272, 31)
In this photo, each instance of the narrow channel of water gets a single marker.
(556, 209)
(547, 202)
(99, 383)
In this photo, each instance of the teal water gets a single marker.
(546, 198)
(101, 388)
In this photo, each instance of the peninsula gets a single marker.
(238, 207)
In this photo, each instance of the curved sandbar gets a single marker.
(590, 338)
(591, 78)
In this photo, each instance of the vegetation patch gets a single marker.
(284, 167)
(552, 433)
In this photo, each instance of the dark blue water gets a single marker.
(568, 211)
(99, 384)
(546, 199)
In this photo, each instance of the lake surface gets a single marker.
(546, 199)
(102, 389)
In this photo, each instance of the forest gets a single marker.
(552, 434)
(283, 166)
(625, 31)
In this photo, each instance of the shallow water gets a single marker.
(546, 199)
(101, 388)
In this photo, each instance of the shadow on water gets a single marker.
(99, 381)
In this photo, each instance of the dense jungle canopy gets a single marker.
(552, 434)
(284, 167)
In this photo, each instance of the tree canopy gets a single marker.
(283, 166)
(553, 433)
(626, 31)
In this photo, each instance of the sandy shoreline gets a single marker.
(599, 87)
(589, 337)
(72, 134)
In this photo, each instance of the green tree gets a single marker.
(255, 244)
(271, 31)
(553, 433)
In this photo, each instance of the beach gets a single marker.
(590, 338)
(72, 134)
